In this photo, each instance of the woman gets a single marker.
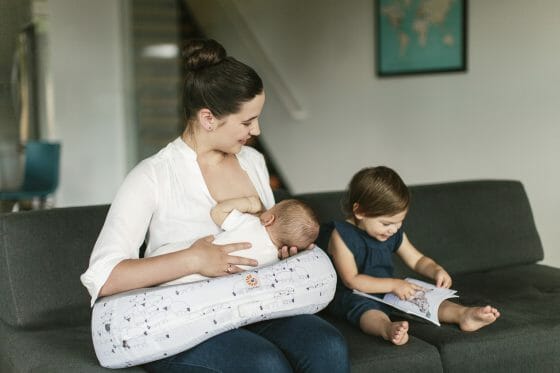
(168, 198)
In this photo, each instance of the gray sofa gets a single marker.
(482, 232)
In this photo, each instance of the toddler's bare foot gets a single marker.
(475, 318)
(397, 333)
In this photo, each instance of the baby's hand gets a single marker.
(255, 204)
(285, 251)
(442, 278)
(404, 289)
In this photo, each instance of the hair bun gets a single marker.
(201, 53)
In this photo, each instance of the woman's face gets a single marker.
(236, 129)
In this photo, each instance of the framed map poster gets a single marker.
(420, 36)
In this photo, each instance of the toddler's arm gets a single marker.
(422, 264)
(251, 204)
(345, 265)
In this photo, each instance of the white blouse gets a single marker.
(163, 199)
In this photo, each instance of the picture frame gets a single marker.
(419, 37)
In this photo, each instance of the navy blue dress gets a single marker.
(373, 257)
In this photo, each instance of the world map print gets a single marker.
(420, 36)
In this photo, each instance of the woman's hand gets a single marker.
(442, 278)
(404, 289)
(285, 251)
(212, 260)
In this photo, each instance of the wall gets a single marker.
(86, 60)
(14, 15)
(498, 120)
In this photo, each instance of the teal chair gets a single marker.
(41, 174)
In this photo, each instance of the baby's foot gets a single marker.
(475, 318)
(397, 332)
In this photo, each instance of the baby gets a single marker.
(289, 223)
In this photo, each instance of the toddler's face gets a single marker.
(381, 227)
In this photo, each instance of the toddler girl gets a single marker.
(361, 249)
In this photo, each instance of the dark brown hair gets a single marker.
(378, 191)
(215, 81)
(296, 223)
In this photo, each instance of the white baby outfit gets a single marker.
(238, 227)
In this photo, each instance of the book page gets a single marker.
(424, 304)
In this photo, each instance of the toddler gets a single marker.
(361, 249)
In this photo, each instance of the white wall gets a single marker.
(501, 119)
(86, 62)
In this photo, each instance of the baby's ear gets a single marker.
(267, 218)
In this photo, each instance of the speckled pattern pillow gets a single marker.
(144, 325)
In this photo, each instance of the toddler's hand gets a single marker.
(442, 278)
(404, 289)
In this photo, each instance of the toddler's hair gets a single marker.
(296, 223)
(377, 191)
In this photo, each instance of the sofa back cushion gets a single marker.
(42, 254)
(465, 226)
(474, 225)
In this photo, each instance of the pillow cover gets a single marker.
(149, 324)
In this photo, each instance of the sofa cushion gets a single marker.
(532, 291)
(54, 350)
(373, 354)
(327, 205)
(474, 225)
(524, 337)
(503, 347)
(42, 254)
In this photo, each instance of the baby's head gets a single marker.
(291, 223)
(376, 191)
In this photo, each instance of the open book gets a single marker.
(424, 304)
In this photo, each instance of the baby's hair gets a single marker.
(377, 191)
(296, 223)
(215, 81)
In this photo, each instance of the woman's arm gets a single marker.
(422, 264)
(203, 257)
(345, 265)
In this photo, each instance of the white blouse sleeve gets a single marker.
(234, 219)
(125, 227)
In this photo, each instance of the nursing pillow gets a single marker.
(149, 324)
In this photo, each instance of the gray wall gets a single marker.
(87, 54)
(14, 14)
